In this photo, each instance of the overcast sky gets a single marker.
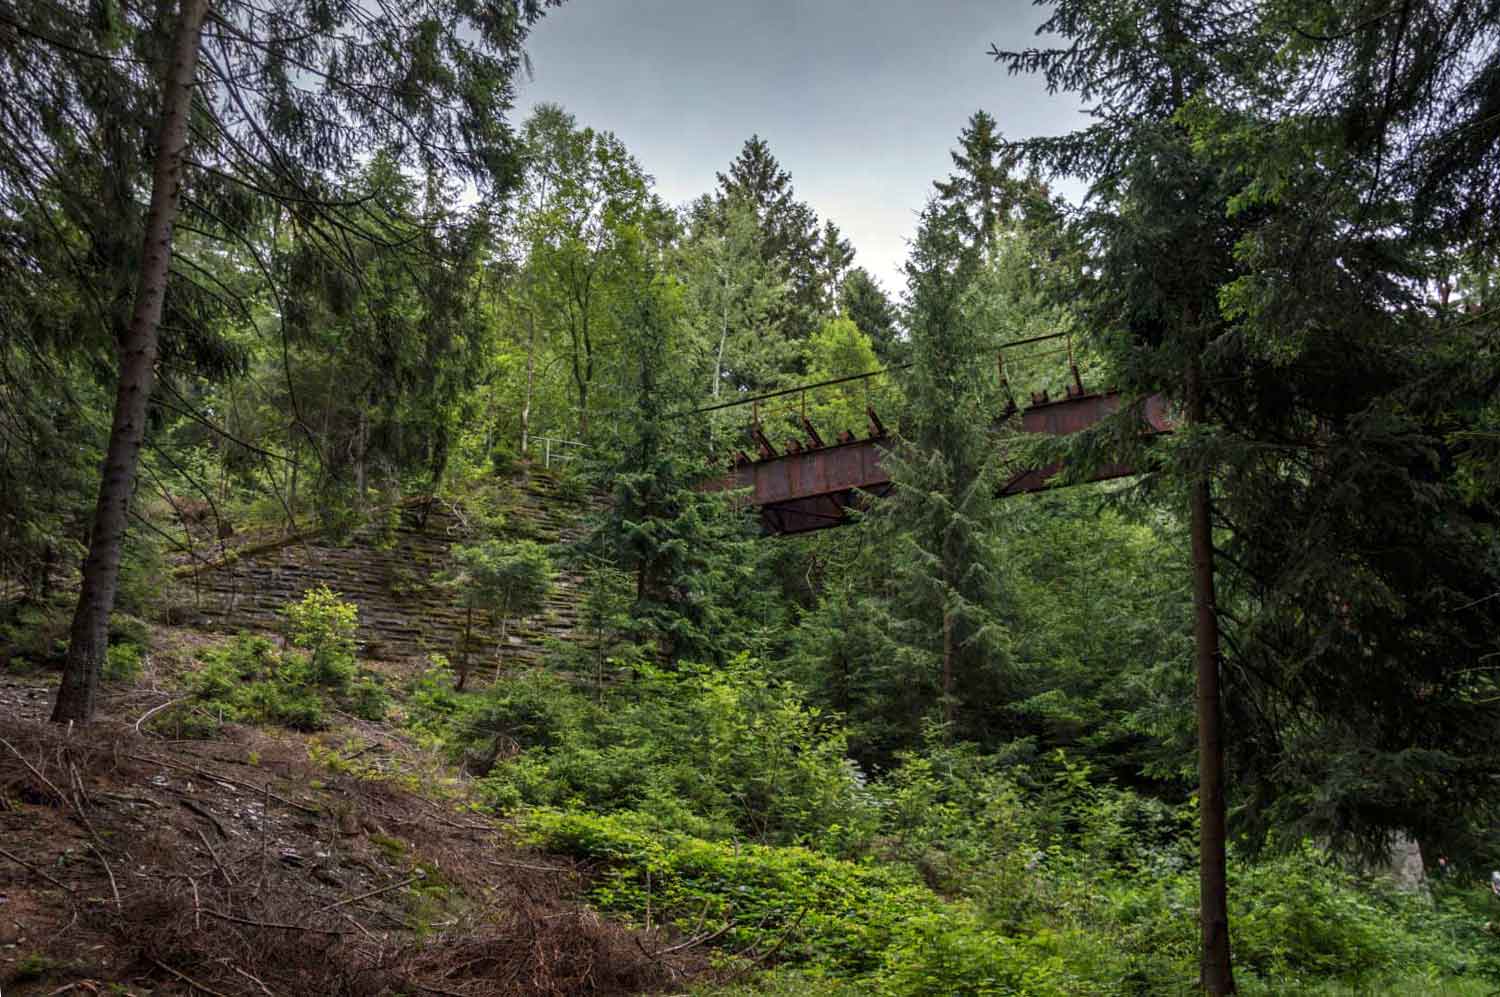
(861, 100)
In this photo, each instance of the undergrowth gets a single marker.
(720, 803)
(252, 680)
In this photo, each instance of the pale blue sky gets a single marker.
(860, 99)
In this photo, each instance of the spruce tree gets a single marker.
(862, 300)
(1157, 218)
(938, 599)
(283, 104)
(981, 190)
(689, 553)
(788, 232)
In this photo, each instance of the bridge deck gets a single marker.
(810, 486)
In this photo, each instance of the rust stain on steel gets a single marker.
(810, 486)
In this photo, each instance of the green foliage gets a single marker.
(841, 349)
(123, 663)
(250, 680)
(503, 580)
(324, 626)
(856, 927)
(726, 752)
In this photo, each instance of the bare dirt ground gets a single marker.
(135, 865)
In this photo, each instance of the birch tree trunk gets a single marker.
(137, 350)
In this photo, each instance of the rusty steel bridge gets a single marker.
(809, 484)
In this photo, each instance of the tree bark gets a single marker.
(948, 669)
(78, 692)
(723, 338)
(530, 382)
(1214, 973)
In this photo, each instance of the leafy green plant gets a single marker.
(725, 752)
(324, 626)
(251, 680)
(123, 662)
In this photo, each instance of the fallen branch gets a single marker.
(206, 815)
(372, 893)
(699, 940)
(212, 776)
(112, 884)
(35, 771)
(186, 979)
(527, 865)
(253, 979)
(228, 879)
(157, 709)
(269, 924)
(22, 862)
(363, 930)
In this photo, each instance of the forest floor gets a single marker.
(268, 862)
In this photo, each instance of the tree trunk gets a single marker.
(500, 649)
(948, 668)
(530, 383)
(723, 339)
(463, 652)
(1214, 974)
(101, 568)
(361, 441)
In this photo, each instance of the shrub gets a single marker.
(324, 625)
(250, 680)
(727, 752)
(122, 663)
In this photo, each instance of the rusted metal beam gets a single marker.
(805, 489)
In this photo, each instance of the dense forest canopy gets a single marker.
(272, 269)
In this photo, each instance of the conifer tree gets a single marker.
(283, 104)
(981, 190)
(862, 300)
(1158, 217)
(688, 552)
(939, 595)
(788, 232)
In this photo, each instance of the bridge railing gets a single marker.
(807, 416)
(761, 425)
(554, 451)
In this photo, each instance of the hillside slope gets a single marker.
(277, 863)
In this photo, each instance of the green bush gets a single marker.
(324, 626)
(721, 752)
(35, 633)
(251, 680)
(123, 663)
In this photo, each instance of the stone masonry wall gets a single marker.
(390, 574)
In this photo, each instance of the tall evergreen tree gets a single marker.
(1259, 245)
(1158, 219)
(282, 103)
(862, 300)
(734, 297)
(689, 552)
(788, 228)
(835, 256)
(938, 600)
(981, 190)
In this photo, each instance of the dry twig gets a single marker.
(112, 884)
(186, 979)
(22, 862)
(365, 896)
(35, 771)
